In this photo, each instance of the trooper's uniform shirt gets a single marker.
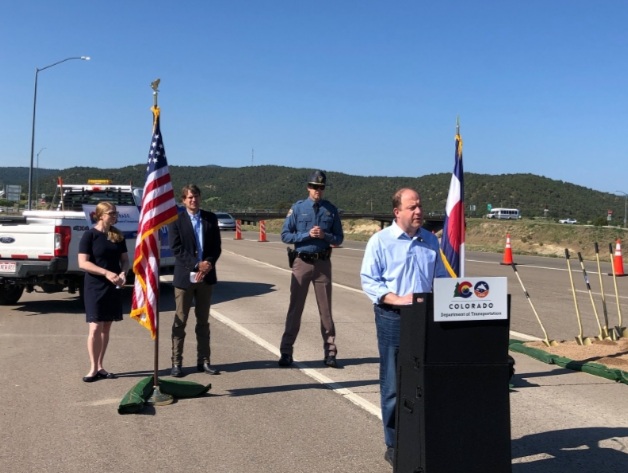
(306, 214)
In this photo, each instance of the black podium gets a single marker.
(453, 409)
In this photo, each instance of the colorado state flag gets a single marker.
(452, 241)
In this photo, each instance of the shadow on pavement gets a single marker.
(555, 451)
(44, 306)
(147, 372)
(230, 290)
(298, 387)
(224, 291)
(521, 380)
(272, 364)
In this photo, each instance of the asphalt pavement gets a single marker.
(258, 417)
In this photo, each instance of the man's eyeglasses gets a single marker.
(317, 187)
(112, 213)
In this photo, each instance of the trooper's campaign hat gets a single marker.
(317, 178)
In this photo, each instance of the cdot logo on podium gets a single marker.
(467, 299)
(466, 289)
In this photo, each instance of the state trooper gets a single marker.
(313, 226)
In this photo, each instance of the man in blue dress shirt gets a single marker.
(400, 260)
(312, 226)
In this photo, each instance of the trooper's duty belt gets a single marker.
(311, 257)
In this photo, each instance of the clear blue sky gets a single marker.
(362, 87)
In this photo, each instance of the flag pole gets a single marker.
(458, 125)
(462, 216)
(157, 398)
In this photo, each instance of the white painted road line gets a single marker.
(312, 373)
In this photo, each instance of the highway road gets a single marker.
(261, 418)
(546, 280)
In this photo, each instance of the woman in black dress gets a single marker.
(103, 256)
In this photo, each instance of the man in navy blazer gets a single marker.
(195, 241)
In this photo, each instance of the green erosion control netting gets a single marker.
(134, 400)
(585, 366)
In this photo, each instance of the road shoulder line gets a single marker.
(310, 372)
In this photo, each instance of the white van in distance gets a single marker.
(504, 214)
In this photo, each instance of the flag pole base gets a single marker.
(159, 399)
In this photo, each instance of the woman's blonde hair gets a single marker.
(114, 234)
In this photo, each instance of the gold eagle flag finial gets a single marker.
(154, 85)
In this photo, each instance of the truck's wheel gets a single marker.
(10, 294)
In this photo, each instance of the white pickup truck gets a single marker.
(39, 249)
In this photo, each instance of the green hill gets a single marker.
(276, 187)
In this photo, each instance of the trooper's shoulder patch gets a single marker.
(289, 213)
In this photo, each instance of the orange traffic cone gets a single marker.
(507, 252)
(238, 233)
(262, 231)
(618, 260)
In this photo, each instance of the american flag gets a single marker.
(158, 209)
(452, 242)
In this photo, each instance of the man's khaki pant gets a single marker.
(201, 294)
(319, 274)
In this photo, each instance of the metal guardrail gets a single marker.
(432, 221)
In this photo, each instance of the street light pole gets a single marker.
(30, 169)
(37, 177)
(625, 206)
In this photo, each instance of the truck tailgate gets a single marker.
(27, 241)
